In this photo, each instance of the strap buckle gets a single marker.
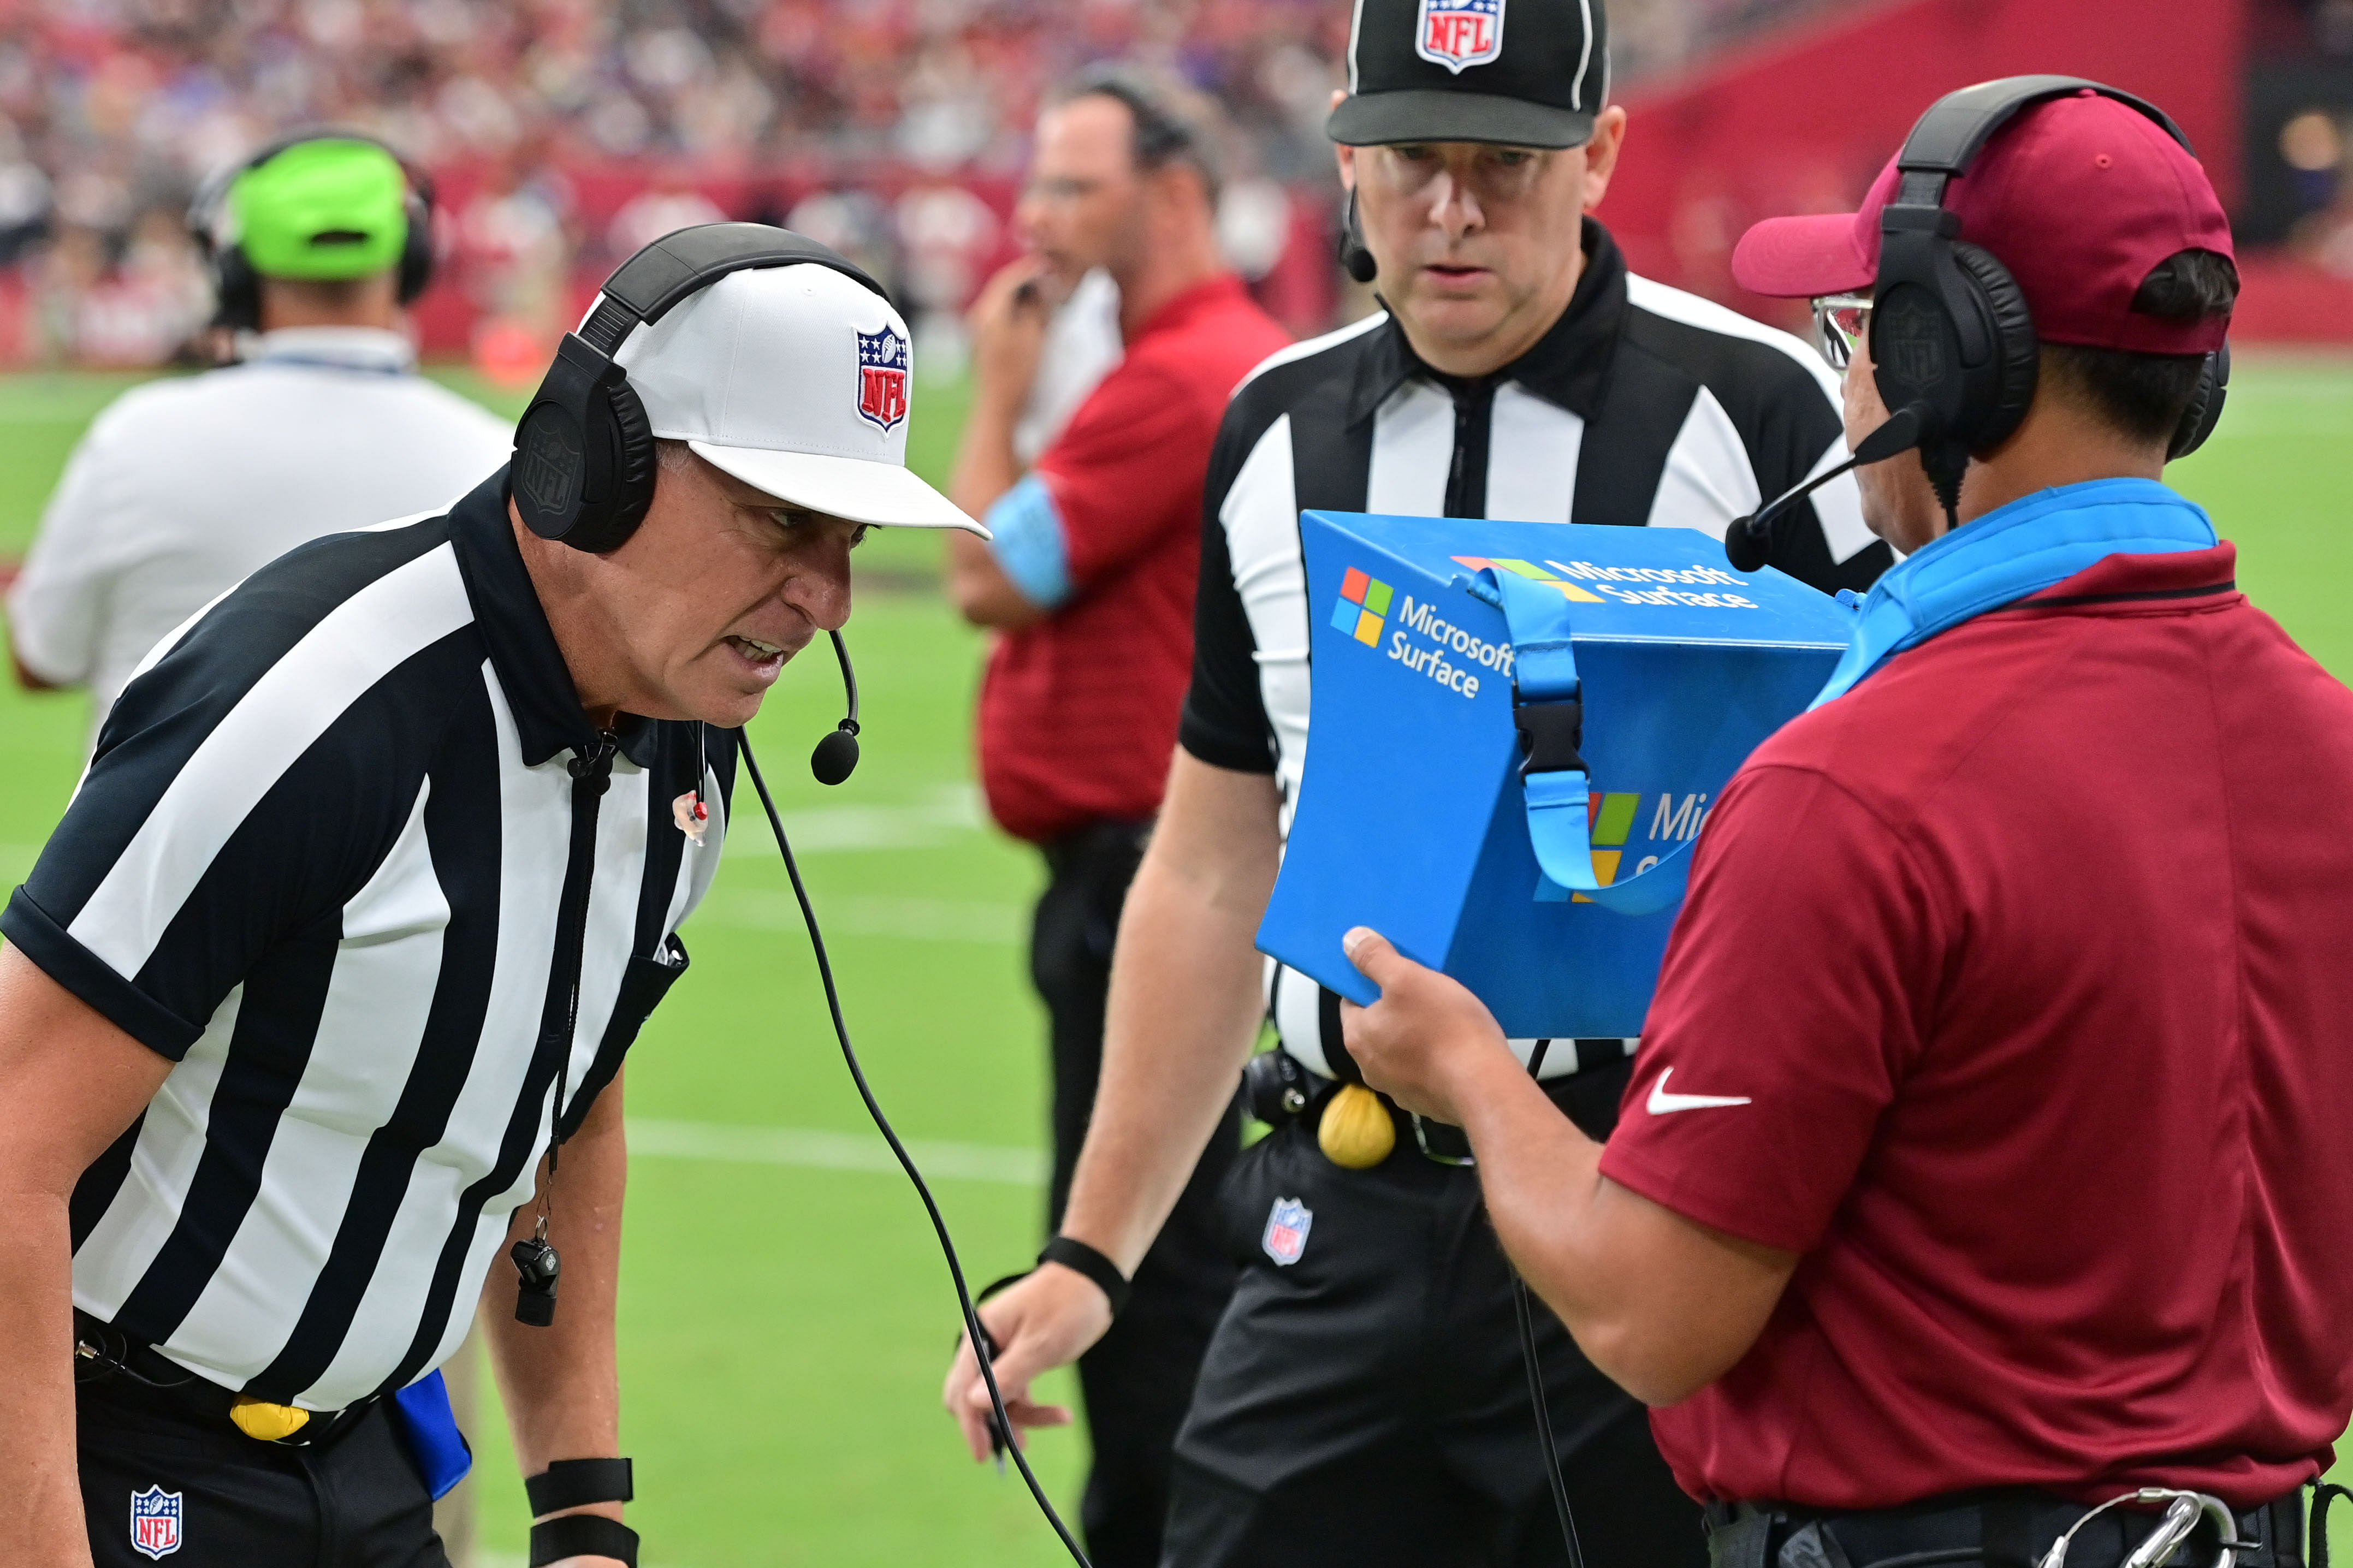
(1552, 733)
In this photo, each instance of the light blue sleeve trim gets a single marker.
(1030, 545)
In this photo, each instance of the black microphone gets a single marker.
(1751, 539)
(836, 757)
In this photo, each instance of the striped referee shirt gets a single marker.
(1643, 405)
(323, 861)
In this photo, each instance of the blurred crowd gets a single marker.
(566, 131)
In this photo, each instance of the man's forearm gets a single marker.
(1540, 1176)
(1660, 1304)
(1184, 1011)
(986, 467)
(40, 1508)
(560, 1384)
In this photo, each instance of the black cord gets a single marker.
(1543, 1418)
(978, 1335)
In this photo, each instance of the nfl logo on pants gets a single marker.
(155, 1522)
(1286, 1231)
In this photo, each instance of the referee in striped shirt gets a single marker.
(375, 875)
(1364, 1399)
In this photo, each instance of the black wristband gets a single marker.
(568, 1483)
(1074, 1254)
(582, 1535)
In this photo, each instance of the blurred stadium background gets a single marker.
(786, 1318)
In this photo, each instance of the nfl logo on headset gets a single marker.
(1458, 33)
(155, 1523)
(1287, 1224)
(881, 378)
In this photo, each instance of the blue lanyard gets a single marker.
(2008, 554)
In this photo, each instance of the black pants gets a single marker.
(1138, 1378)
(1368, 1403)
(354, 1501)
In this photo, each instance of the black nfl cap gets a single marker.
(1524, 73)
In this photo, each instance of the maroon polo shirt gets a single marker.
(1078, 713)
(2030, 962)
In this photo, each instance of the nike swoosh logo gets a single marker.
(1661, 1103)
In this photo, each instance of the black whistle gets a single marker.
(536, 1262)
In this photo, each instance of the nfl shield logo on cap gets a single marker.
(1287, 1224)
(881, 378)
(1460, 33)
(155, 1523)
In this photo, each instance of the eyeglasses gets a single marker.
(1841, 322)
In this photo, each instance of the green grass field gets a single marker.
(782, 1404)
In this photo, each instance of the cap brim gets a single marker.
(1802, 257)
(853, 487)
(1421, 114)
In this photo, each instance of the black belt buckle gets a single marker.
(1551, 735)
(1443, 1141)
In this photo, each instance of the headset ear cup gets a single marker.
(236, 291)
(620, 453)
(417, 251)
(634, 463)
(2205, 410)
(2017, 357)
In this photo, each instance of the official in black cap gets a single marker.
(1365, 1399)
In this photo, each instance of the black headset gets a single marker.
(236, 288)
(583, 462)
(1952, 340)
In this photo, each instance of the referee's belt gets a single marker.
(2006, 1527)
(104, 1352)
(1553, 1058)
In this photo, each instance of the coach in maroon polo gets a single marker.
(1089, 583)
(1984, 1160)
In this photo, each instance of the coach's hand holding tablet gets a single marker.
(1981, 1165)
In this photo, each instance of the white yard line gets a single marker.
(915, 920)
(814, 1148)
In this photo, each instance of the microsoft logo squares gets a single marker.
(1362, 602)
(1412, 814)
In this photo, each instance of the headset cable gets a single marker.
(979, 1336)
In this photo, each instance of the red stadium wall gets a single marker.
(1802, 121)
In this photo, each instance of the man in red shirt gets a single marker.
(1089, 581)
(1983, 1160)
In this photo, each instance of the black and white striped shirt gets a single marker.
(1641, 405)
(318, 862)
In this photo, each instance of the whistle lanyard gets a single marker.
(592, 773)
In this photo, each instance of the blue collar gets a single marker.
(2008, 554)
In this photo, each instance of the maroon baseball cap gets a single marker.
(2080, 198)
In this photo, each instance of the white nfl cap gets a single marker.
(798, 380)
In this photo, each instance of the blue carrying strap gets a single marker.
(1548, 708)
(2012, 554)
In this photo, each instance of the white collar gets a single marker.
(340, 348)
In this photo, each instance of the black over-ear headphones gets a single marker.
(1952, 340)
(583, 462)
(236, 288)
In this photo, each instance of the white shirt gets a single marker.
(184, 488)
(1082, 346)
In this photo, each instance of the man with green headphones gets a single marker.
(184, 487)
